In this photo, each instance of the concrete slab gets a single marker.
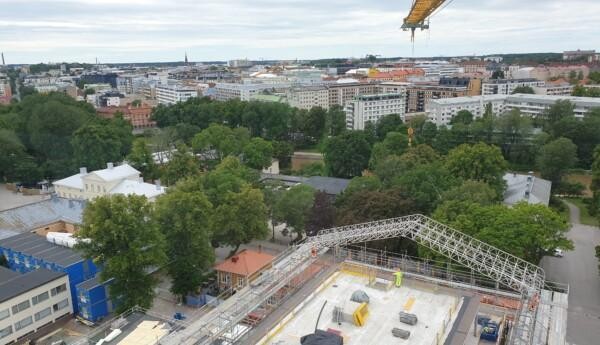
(435, 311)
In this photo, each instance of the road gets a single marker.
(579, 268)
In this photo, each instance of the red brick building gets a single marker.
(138, 116)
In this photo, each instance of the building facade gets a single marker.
(308, 97)
(371, 108)
(122, 179)
(171, 94)
(31, 301)
(441, 111)
(138, 115)
(239, 270)
(418, 96)
(245, 92)
(508, 86)
(342, 93)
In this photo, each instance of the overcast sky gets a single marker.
(162, 30)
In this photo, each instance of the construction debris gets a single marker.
(400, 333)
(410, 319)
(360, 296)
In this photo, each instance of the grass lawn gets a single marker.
(584, 215)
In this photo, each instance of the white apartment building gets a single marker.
(31, 301)
(441, 111)
(370, 108)
(508, 86)
(564, 89)
(171, 94)
(122, 179)
(244, 92)
(535, 105)
(308, 97)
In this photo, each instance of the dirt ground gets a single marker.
(584, 179)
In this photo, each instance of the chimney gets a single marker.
(234, 259)
(83, 170)
(157, 183)
(110, 165)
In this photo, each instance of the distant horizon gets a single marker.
(275, 59)
(138, 31)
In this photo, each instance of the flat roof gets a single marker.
(13, 284)
(28, 217)
(38, 247)
(551, 99)
(466, 99)
(432, 309)
(531, 189)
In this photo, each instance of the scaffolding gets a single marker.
(504, 268)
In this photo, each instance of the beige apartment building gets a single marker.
(31, 301)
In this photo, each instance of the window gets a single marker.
(23, 323)
(61, 288)
(60, 305)
(40, 298)
(225, 278)
(42, 314)
(241, 282)
(5, 332)
(20, 307)
(4, 314)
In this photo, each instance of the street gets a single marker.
(579, 269)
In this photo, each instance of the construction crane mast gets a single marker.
(420, 11)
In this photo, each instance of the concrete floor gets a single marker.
(579, 269)
(10, 199)
(431, 309)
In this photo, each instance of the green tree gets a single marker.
(498, 74)
(218, 141)
(229, 176)
(371, 205)
(15, 164)
(348, 154)
(479, 162)
(464, 117)
(523, 89)
(321, 215)
(258, 153)
(313, 124)
(125, 240)
(560, 109)
(141, 158)
(555, 158)
(336, 120)
(525, 230)
(240, 218)
(425, 184)
(94, 145)
(395, 143)
(472, 191)
(389, 123)
(181, 164)
(595, 187)
(293, 208)
(184, 217)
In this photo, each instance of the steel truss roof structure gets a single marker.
(487, 260)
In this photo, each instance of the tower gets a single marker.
(3, 63)
(186, 59)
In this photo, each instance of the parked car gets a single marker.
(558, 253)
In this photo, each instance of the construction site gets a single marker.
(333, 289)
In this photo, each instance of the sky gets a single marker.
(35, 31)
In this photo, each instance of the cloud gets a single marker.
(161, 30)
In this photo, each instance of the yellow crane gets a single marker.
(420, 11)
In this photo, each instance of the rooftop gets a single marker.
(551, 99)
(245, 263)
(329, 185)
(531, 189)
(468, 99)
(128, 187)
(28, 217)
(38, 247)
(13, 284)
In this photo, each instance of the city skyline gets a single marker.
(152, 30)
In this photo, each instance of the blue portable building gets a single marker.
(93, 299)
(27, 252)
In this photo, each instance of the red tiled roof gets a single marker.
(245, 263)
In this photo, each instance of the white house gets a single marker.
(122, 179)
